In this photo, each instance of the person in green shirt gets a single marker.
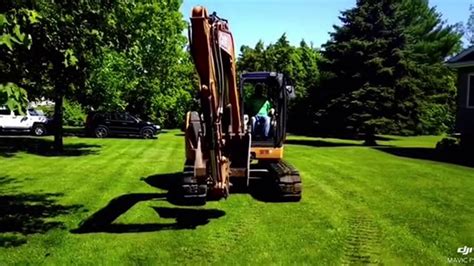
(260, 108)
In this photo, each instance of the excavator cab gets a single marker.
(266, 153)
(278, 92)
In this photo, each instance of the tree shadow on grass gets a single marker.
(122, 136)
(81, 132)
(319, 143)
(454, 157)
(10, 145)
(324, 143)
(185, 218)
(24, 214)
(74, 132)
(358, 137)
(27, 213)
(5, 180)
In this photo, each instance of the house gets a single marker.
(464, 64)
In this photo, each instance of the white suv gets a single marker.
(32, 120)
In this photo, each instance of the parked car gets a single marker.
(32, 121)
(103, 124)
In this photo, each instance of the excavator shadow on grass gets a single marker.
(185, 218)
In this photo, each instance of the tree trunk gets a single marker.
(58, 122)
(369, 139)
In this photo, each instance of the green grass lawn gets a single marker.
(395, 204)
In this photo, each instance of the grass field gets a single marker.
(395, 204)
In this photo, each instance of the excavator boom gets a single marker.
(221, 126)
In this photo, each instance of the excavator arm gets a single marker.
(221, 122)
(212, 48)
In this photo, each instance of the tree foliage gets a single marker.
(298, 64)
(383, 70)
(144, 67)
(430, 41)
(105, 54)
(12, 39)
(468, 28)
(55, 63)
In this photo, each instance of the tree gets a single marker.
(110, 81)
(308, 81)
(105, 54)
(363, 64)
(309, 57)
(298, 64)
(469, 27)
(377, 67)
(252, 58)
(12, 39)
(55, 65)
(429, 42)
(144, 67)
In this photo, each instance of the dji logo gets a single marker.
(465, 250)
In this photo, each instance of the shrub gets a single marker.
(73, 114)
(448, 144)
(436, 119)
(48, 110)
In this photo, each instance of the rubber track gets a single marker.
(287, 178)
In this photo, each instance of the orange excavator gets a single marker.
(223, 148)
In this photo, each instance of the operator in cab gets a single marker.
(261, 109)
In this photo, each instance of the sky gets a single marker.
(311, 20)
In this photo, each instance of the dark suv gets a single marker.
(103, 124)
